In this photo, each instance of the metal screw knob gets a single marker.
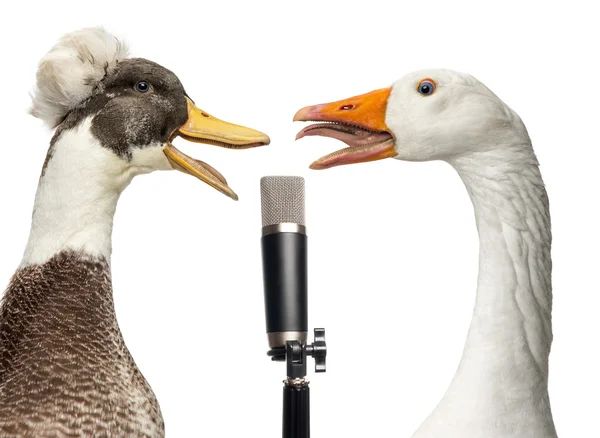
(318, 350)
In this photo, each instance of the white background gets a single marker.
(393, 245)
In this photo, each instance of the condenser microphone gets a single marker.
(284, 259)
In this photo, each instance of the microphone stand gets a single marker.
(284, 255)
(296, 391)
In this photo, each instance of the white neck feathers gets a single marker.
(501, 386)
(76, 198)
(514, 286)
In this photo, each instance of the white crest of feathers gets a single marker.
(71, 70)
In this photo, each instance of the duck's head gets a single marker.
(427, 115)
(134, 106)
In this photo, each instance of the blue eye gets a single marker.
(142, 86)
(426, 87)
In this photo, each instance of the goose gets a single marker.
(64, 367)
(500, 388)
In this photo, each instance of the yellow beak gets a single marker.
(204, 128)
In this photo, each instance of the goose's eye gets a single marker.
(426, 87)
(142, 86)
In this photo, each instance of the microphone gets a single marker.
(286, 300)
(284, 249)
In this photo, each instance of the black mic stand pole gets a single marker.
(296, 391)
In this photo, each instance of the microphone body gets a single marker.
(285, 284)
(284, 255)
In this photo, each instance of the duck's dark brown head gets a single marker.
(134, 107)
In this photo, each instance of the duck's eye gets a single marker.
(142, 86)
(426, 87)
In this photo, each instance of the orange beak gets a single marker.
(358, 121)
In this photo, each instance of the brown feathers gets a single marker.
(64, 368)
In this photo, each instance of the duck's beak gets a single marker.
(358, 121)
(203, 128)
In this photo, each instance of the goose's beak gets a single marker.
(358, 121)
(202, 127)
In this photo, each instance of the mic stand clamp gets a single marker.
(296, 393)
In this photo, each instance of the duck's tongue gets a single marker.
(201, 170)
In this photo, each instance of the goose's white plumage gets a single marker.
(500, 389)
(501, 386)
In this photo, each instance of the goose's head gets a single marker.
(134, 107)
(427, 115)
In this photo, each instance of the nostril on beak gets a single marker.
(204, 114)
(346, 107)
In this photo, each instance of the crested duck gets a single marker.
(64, 367)
(501, 386)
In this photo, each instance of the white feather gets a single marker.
(78, 194)
(500, 389)
(71, 70)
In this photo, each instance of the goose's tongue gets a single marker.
(358, 121)
(356, 154)
(351, 135)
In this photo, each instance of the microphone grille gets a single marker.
(282, 200)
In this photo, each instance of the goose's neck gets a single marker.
(500, 388)
(76, 198)
(512, 315)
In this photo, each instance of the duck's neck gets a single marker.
(76, 198)
(500, 388)
(61, 349)
(63, 286)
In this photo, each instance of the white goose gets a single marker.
(500, 389)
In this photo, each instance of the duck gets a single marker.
(500, 388)
(64, 367)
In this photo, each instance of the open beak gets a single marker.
(358, 121)
(201, 127)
